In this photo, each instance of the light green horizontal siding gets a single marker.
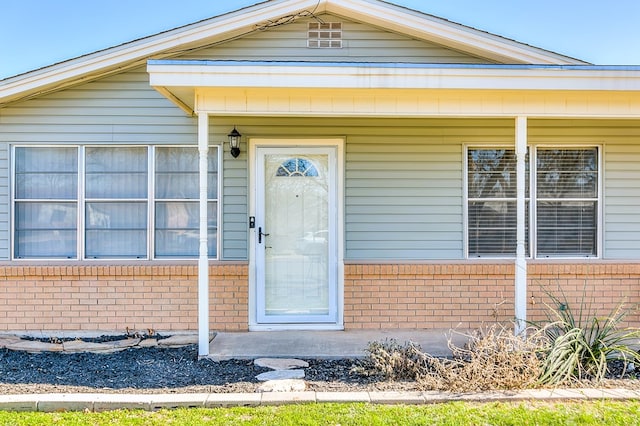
(622, 202)
(620, 140)
(403, 179)
(361, 42)
(121, 109)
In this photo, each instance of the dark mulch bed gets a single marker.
(151, 370)
(178, 370)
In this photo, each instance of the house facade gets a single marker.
(395, 170)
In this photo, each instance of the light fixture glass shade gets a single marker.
(234, 142)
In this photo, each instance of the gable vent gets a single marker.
(325, 35)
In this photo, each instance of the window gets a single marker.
(297, 167)
(46, 206)
(177, 209)
(565, 202)
(122, 209)
(116, 184)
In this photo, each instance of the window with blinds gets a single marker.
(491, 201)
(565, 200)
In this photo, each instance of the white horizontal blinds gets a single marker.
(176, 207)
(46, 210)
(491, 194)
(567, 202)
(116, 182)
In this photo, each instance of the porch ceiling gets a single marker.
(409, 90)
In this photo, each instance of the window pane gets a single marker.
(567, 228)
(492, 192)
(177, 229)
(118, 172)
(493, 229)
(46, 173)
(116, 229)
(45, 230)
(492, 173)
(177, 175)
(567, 173)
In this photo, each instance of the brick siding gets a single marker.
(465, 296)
(114, 298)
(376, 296)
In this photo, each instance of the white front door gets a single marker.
(295, 232)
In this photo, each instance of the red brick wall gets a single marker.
(466, 295)
(112, 298)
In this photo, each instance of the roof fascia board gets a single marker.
(372, 77)
(135, 53)
(447, 33)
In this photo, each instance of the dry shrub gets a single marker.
(492, 359)
(393, 361)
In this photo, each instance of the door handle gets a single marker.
(260, 235)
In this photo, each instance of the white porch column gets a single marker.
(203, 260)
(521, 260)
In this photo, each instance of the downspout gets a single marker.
(521, 260)
(203, 259)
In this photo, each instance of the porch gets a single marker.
(324, 344)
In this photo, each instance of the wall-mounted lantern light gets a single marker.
(234, 142)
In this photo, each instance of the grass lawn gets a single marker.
(527, 413)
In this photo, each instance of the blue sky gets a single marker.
(36, 33)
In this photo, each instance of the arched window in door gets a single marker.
(295, 167)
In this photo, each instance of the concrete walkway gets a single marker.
(322, 344)
(105, 402)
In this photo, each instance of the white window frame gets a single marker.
(81, 201)
(532, 198)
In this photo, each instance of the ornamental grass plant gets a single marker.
(581, 344)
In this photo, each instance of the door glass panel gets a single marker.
(297, 221)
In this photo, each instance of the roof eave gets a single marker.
(447, 33)
(135, 53)
(234, 24)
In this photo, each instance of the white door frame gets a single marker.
(338, 144)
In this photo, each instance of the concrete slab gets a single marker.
(397, 398)
(280, 375)
(171, 401)
(18, 403)
(108, 402)
(51, 403)
(322, 344)
(281, 398)
(233, 400)
(291, 385)
(342, 397)
(178, 340)
(280, 363)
